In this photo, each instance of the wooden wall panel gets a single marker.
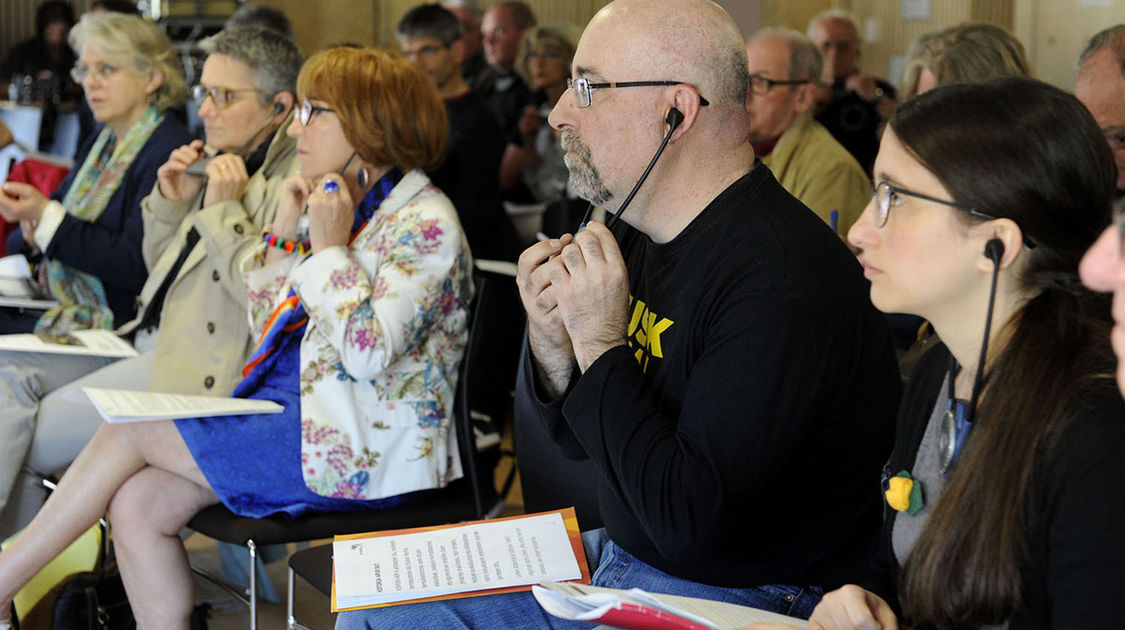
(1061, 30)
(794, 14)
(886, 34)
(320, 24)
(998, 12)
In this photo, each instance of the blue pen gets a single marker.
(834, 221)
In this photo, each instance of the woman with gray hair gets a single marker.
(90, 230)
(196, 228)
(543, 61)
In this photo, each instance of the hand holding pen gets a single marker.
(172, 178)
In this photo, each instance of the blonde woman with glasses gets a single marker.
(89, 231)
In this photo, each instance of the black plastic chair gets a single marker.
(469, 498)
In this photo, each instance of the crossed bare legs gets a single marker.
(144, 477)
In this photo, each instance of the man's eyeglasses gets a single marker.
(427, 51)
(101, 72)
(582, 88)
(306, 111)
(761, 85)
(221, 97)
(887, 195)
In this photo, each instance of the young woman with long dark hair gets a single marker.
(997, 507)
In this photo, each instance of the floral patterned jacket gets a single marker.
(386, 332)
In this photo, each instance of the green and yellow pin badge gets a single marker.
(904, 493)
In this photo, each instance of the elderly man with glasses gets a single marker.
(713, 355)
(802, 154)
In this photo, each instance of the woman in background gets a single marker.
(965, 53)
(90, 230)
(536, 162)
(360, 323)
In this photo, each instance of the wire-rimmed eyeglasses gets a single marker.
(100, 71)
(888, 195)
(762, 85)
(220, 96)
(583, 88)
(306, 111)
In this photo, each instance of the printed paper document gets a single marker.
(501, 555)
(98, 343)
(119, 405)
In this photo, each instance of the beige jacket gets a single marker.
(818, 170)
(204, 328)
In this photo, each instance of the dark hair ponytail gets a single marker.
(1020, 149)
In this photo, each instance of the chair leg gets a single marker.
(253, 584)
(290, 618)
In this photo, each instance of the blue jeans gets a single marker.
(616, 568)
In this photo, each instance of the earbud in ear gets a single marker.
(278, 108)
(675, 117)
(994, 250)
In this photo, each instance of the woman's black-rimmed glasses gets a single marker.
(306, 110)
(886, 195)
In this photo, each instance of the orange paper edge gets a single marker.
(570, 521)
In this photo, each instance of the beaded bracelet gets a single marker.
(274, 240)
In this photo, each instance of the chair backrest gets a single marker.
(487, 372)
(548, 479)
(469, 498)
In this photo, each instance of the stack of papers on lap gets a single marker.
(477, 558)
(119, 405)
(94, 343)
(635, 609)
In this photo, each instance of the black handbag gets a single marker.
(93, 601)
(96, 600)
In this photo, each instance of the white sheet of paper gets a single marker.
(461, 559)
(98, 343)
(15, 266)
(28, 303)
(15, 274)
(119, 405)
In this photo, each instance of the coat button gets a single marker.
(209, 382)
(215, 276)
(238, 228)
(211, 327)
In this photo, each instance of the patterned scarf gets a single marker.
(81, 296)
(289, 317)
